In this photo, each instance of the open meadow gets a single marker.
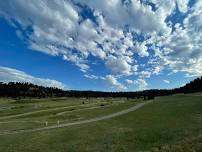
(170, 123)
(100, 75)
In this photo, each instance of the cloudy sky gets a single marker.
(110, 45)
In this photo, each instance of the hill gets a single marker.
(22, 90)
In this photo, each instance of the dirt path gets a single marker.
(80, 122)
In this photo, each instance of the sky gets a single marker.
(105, 45)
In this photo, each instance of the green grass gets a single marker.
(167, 121)
(74, 110)
(28, 105)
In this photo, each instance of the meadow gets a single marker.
(170, 123)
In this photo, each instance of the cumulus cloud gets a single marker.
(120, 13)
(183, 5)
(13, 75)
(129, 81)
(113, 82)
(141, 49)
(182, 50)
(119, 33)
(119, 65)
(141, 83)
(144, 74)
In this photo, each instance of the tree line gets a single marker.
(17, 89)
(23, 90)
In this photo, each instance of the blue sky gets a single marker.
(108, 45)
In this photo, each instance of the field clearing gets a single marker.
(166, 122)
(76, 110)
(14, 107)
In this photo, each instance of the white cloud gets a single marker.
(187, 75)
(145, 74)
(118, 65)
(141, 49)
(56, 29)
(141, 83)
(140, 17)
(113, 82)
(59, 29)
(129, 81)
(183, 5)
(91, 76)
(13, 75)
(157, 70)
(166, 81)
(110, 80)
(182, 50)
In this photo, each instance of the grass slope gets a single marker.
(173, 120)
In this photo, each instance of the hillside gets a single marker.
(21, 90)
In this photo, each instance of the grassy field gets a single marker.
(171, 124)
